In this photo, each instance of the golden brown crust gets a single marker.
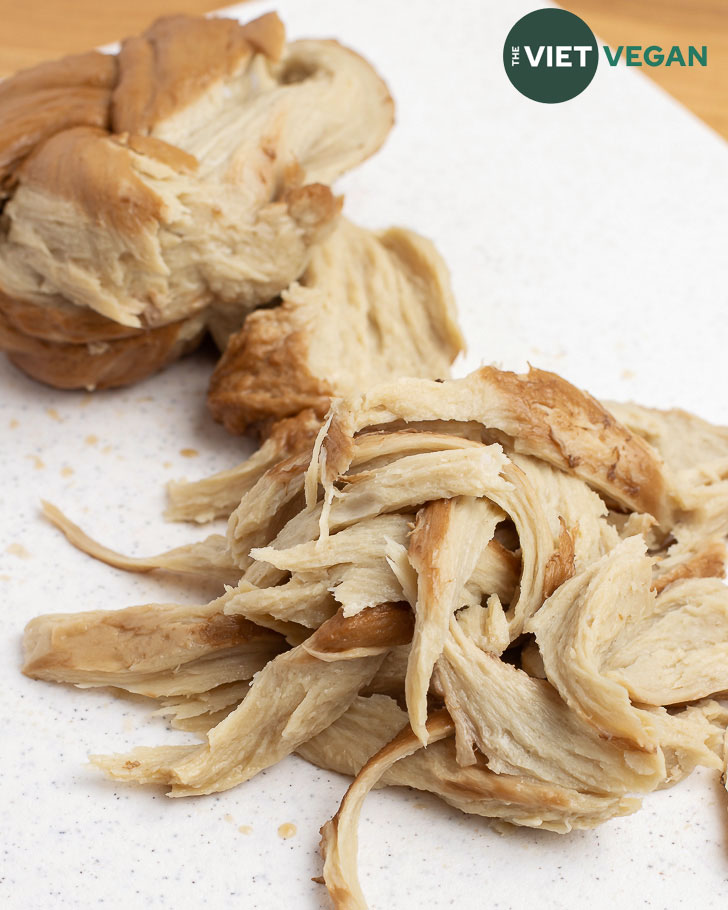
(560, 566)
(178, 58)
(76, 139)
(430, 533)
(294, 434)
(39, 102)
(557, 418)
(383, 626)
(93, 171)
(97, 365)
(264, 374)
(170, 155)
(121, 639)
(60, 321)
(708, 562)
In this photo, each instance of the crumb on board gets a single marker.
(286, 830)
(245, 829)
(53, 414)
(91, 439)
(67, 471)
(17, 549)
(14, 424)
(189, 453)
(38, 462)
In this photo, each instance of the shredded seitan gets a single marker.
(492, 589)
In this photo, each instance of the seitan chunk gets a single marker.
(169, 189)
(368, 307)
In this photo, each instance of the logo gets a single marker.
(551, 55)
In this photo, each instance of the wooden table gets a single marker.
(34, 30)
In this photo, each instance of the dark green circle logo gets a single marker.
(550, 55)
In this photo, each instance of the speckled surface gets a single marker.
(588, 238)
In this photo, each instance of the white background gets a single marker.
(588, 237)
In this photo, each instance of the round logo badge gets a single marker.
(550, 55)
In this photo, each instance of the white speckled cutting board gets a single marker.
(588, 237)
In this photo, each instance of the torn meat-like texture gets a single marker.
(294, 697)
(371, 723)
(217, 496)
(79, 177)
(176, 62)
(569, 605)
(339, 840)
(368, 307)
(154, 650)
(561, 526)
(243, 123)
(372, 740)
(523, 727)
(575, 630)
(265, 509)
(389, 678)
(695, 453)
(569, 504)
(36, 103)
(373, 631)
(690, 738)
(307, 602)
(497, 572)
(545, 547)
(691, 556)
(350, 564)
(363, 544)
(202, 711)
(208, 558)
(357, 588)
(677, 649)
(187, 176)
(537, 414)
(401, 486)
(444, 548)
(486, 626)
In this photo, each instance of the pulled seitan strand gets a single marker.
(444, 548)
(523, 727)
(154, 649)
(208, 558)
(677, 649)
(217, 496)
(295, 694)
(350, 746)
(537, 414)
(696, 455)
(690, 738)
(399, 487)
(339, 841)
(575, 630)
(371, 723)
(692, 556)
